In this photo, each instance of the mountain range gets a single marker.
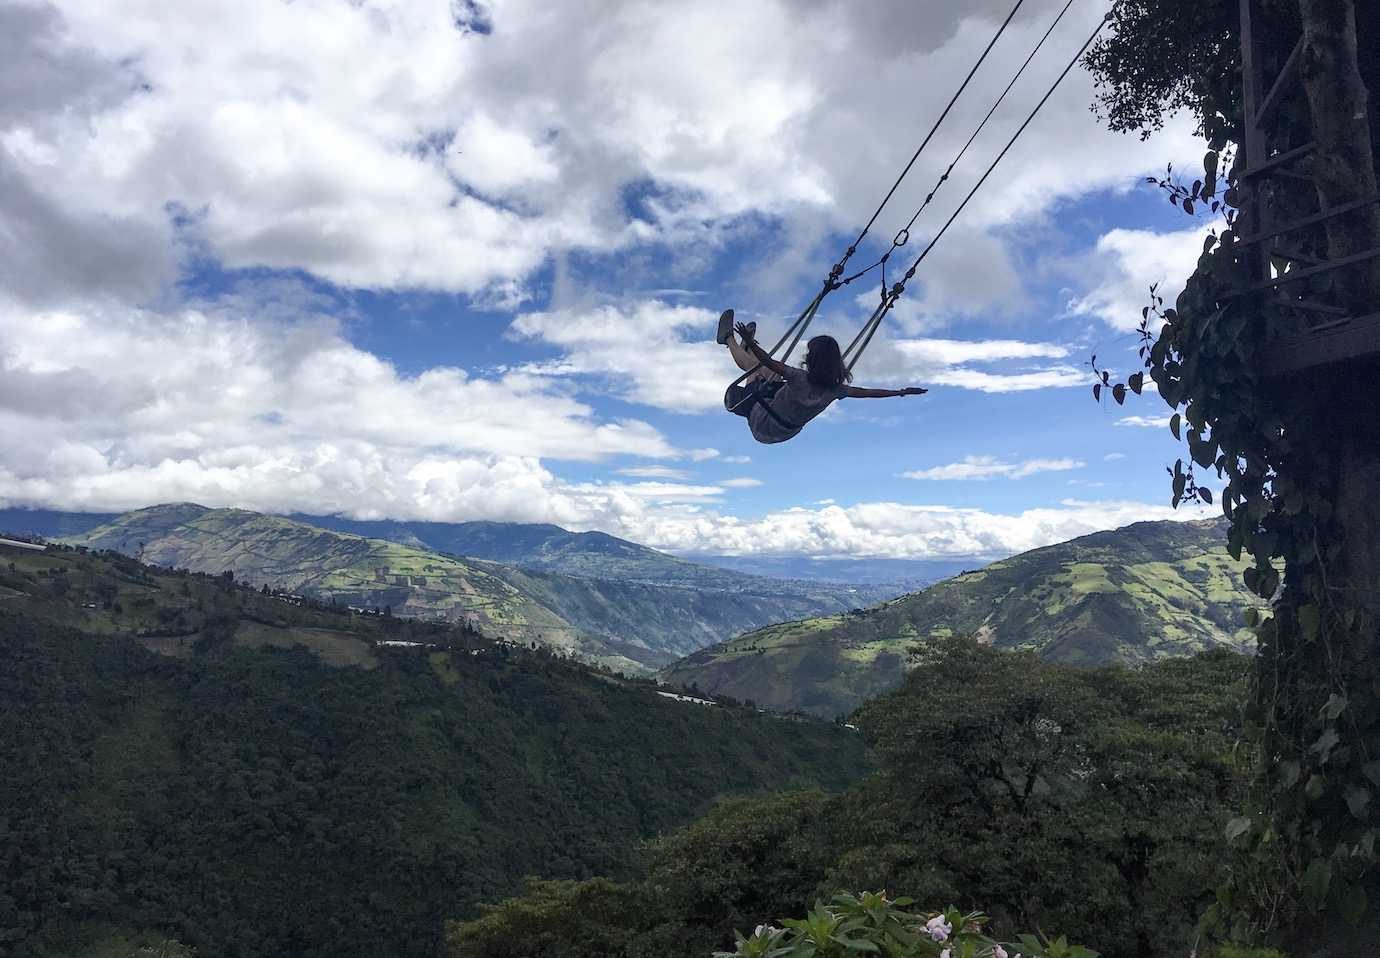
(591, 595)
(1147, 591)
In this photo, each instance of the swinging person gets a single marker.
(778, 400)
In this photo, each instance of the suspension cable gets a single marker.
(889, 297)
(838, 268)
(831, 283)
(903, 236)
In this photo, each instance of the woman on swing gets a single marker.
(778, 400)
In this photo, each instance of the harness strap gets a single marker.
(776, 416)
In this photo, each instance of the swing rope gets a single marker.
(839, 267)
(903, 236)
(796, 331)
(890, 296)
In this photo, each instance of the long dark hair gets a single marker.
(824, 363)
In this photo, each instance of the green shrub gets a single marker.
(871, 923)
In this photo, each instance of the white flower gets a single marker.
(944, 953)
(999, 952)
(938, 928)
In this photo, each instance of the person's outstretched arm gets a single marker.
(751, 345)
(861, 392)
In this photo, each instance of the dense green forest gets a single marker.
(1086, 802)
(245, 795)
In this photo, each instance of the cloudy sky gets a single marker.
(455, 260)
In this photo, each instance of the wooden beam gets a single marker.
(1286, 74)
(1315, 307)
(1292, 256)
(1311, 220)
(1274, 162)
(1295, 275)
(1351, 340)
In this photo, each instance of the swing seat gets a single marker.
(740, 400)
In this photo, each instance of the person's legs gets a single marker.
(745, 360)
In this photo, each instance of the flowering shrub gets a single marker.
(872, 924)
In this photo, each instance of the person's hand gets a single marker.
(747, 334)
(914, 391)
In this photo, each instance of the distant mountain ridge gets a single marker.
(629, 621)
(912, 574)
(1136, 594)
(540, 546)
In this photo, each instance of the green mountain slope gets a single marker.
(353, 570)
(1144, 592)
(537, 546)
(549, 548)
(286, 801)
(622, 621)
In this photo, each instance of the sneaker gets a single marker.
(725, 327)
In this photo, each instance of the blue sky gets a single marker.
(366, 258)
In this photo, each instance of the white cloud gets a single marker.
(988, 467)
(653, 472)
(91, 407)
(375, 145)
(629, 348)
(649, 352)
(292, 417)
(954, 352)
(744, 482)
(1145, 422)
(1113, 456)
(892, 529)
(474, 157)
(1118, 273)
(736, 460)
(1053, 378)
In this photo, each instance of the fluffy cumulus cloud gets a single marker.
(396, 144)
(989, 467)
(628, 349)
(272, 413)
(631, 351)
(1145, 422)
(1126, 262)
(892, 529)
(478, 149)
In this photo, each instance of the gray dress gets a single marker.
(795, 403)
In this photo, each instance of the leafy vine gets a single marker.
(1310, 828)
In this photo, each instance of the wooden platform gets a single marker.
(1344, 339)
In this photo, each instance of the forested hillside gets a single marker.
(1087, 802)
(1144, 592)
(246, 795)
(641, 614)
